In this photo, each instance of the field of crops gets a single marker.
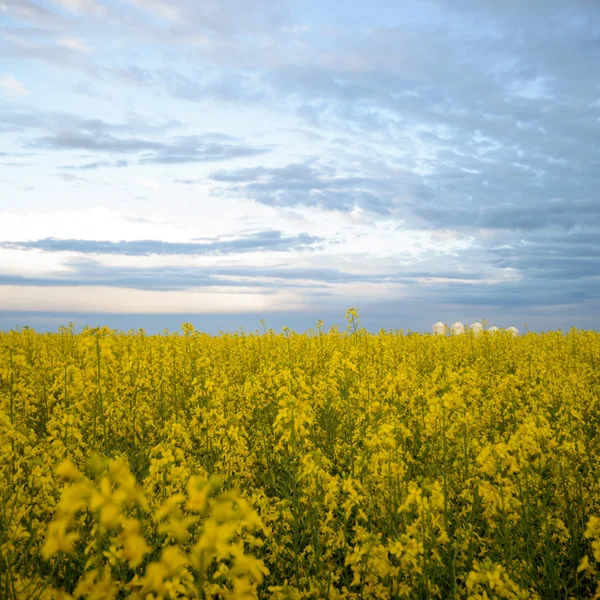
(337, 464)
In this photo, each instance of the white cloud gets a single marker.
(147, 183)
(532, 89)
(160, 8)
(85, 225)
(74, 44)
(82, 299)
(31, 263)
(11, 88)
(81, 6)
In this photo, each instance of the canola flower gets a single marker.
(337, 464)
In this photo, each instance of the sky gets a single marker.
(224, 162)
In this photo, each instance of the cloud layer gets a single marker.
(265, 240)
(441, 151)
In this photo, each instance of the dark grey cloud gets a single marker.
(97, 165)
(505, 301)
(566, 258)
(524, 294)
(91, 273)
(198, 148)
(536, 214)
(302, 184)
(67, 132)
(96, 143)
(86, 272)
(270, 240)
(506, 127)
(182, 149)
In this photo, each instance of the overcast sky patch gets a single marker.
(443, 151)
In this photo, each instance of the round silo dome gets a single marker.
(457, 328)
(513, 330)
(439, 328)
(476, 327)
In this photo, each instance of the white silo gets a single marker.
(439, 328)
(457, 328)
(513, 330)
(476, 327)
(493, 329)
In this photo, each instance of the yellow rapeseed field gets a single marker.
(337, 464)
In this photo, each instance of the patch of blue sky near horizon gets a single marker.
(403, 317)
(414, 140)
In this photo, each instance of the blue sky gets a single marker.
(226, 162)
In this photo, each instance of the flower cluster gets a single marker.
(337, 464)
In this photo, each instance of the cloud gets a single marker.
(86, 89)
(189, 181)
(75, 44)
(270, 240)
(82, 299)
(546, 257)
(201, 148)
(148, 183)
(226, 18)
(31, 12)
(46, 121)
(94, 142)
(536, 214)
(465, 116)
(302, 184)
(81, 6)
(460, 291)
(97, 165)
(68, 132)
(182, 149)
(168, 10)
(330, 289)
(11, 88)
(314, 282)
(70, 178)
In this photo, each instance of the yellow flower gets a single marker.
(135, 548)
(246, 565)
(59, 539)
(67, 470)
(97, 585)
